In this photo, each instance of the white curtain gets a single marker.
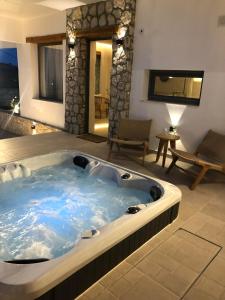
(51, 70)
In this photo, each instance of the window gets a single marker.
(181, 87)
(9, 83)
(51, 72)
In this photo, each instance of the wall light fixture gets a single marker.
(71, 42)
(119, 42)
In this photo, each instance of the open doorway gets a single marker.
(99, 86)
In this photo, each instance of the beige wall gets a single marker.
(11, 30)
(180, 35)
(17, 31)
(44, 111)
(51, 24)
(106, 66)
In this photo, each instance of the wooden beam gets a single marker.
(45, 39)
(101, 32)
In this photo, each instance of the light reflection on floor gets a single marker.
(101, 127)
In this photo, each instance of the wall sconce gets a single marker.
(16, 109)
(121, 32)
(119, 42)
(71, 42)
(33, 125)
(33, 128)
(120, 36)
(173, 129)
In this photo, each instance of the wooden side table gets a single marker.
(164, 139)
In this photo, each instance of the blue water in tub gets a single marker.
(44, 215)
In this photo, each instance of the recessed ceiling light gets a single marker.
(60, 5)
(64, 4)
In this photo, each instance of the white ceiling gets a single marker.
(28, 9)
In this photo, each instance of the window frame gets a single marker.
(48, 99)
(173, 99)
(10, 108)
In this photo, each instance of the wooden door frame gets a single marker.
(103, 33)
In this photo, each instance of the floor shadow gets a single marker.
(4, 134)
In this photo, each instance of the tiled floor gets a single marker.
(185, 261)
(6, 134)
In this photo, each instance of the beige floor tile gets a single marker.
(136, 257)
(216, 211)
(177, 281)
(220, 237)
(133, 276)
(106, 295)
(222, 296)
(170, 246)
(196, 259)
(163, 235)
(113, 276)
(203, 198)
(110, 278)
(148, 247)
(177, 224)
(186, 273)
(124, 267)
(216, 271)
(147, 289)
(218, 198)
(212, 232)
(222, 253)
(120, 287)
(187, 211)
(172, 282)
(177, 262)
(195, 241)
(210, 287)
(196, 294)
(204, 218)
(149, 267)
(164, 261)
(182, 251)
(94, 291)
(195, 223)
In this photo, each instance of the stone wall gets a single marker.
(120, 13)
(22, 126)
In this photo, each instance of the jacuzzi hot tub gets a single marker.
(70, 218)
